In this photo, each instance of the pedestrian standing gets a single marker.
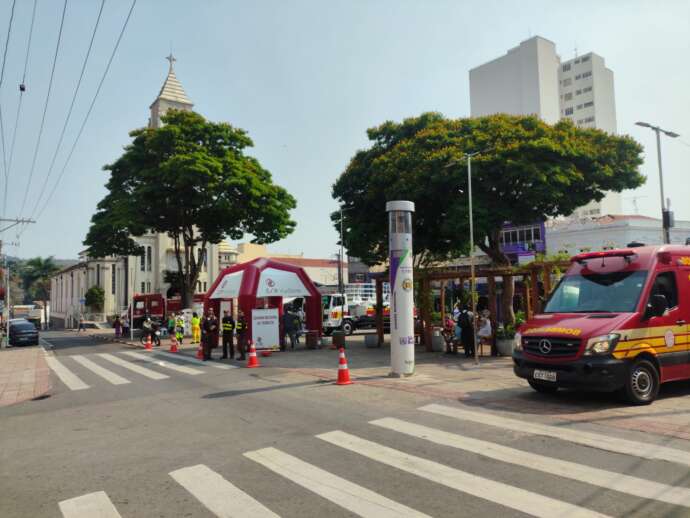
(228, 326)
(241, 328)
(179, 328)
(196, 328)
(117, 325)
(466, 324)
(125, 326)
(171, 323)
(291, 326)
(82, 327)
(209, 337)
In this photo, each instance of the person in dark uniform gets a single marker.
(241, 328)
(209, 327)
(228, 327)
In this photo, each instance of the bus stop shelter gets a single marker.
(262, 284)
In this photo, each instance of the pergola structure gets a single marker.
(529, 273)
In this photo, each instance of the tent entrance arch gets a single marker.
(264, 284)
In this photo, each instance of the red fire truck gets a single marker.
(158, 307)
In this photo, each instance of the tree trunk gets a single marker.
(493, 250)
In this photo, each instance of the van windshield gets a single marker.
(614, 292)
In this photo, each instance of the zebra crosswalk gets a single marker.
(218, 488)
(125, 367)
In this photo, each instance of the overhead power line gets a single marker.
(22, 87)
(88, 113)
(2, 77)
(69, 112)
(45, 109)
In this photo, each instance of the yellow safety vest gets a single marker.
(196, 321)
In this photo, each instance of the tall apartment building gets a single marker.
(587, 98)
(531, 80)
(523, 82)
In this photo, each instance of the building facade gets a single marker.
(531, 80)
(608, 232)
(523, 82)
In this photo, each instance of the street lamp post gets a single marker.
(473, 280)
(665, 213)
(341, 288)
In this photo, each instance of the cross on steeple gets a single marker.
(171, 59)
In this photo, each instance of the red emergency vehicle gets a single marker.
(158, 307)
(618, 320)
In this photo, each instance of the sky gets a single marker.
(306, 79)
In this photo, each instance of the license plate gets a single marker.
(544, 375)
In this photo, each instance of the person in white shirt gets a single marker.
(485, 332)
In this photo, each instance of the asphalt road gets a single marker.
(215, 441)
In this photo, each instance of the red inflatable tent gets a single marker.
(263, 283)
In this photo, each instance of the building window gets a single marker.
(578, 76)
(588, 89)
(204, 286)
(588, 119)
(567, 82)
(585, 59)
(98, 275)
(568, 96)
(566, 67)
(586, 74)
(112, 281)
(148, 286)
(201, 259)
(149, 257)
(143, 287)
(569, 111)
(536, 233)
(143, 261)
(588, 104)
(579, 106)
(576, 61)
(198, 286)
(578, 92)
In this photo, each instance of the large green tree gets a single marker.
(192, 180)
(35, 274)
(526, 171)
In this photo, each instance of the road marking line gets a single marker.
(593, 440)
(354, 498)
(219, 496)
(167, 365)
(509, 496)
(133, 367)
(110, 376)
(92, 505)
(65, 375)
(187, 359)
(598, 477)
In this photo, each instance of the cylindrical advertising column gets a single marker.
(401, 296)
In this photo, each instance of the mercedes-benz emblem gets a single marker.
(544, 346)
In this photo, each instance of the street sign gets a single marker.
(82, 301)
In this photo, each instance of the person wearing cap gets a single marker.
(241, 328)
(228, 327)
(209, 329)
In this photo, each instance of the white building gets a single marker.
(608, 232)
(531, 80)
(523, 82)
(588, 99)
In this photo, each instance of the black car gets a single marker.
(23, 333)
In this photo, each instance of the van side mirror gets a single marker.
(657, 306)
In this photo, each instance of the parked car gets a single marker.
(23, 332)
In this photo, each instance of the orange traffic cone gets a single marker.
(149, 346)
(343, 371)
(173, 344)
(252, 361)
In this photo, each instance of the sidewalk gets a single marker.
(24, 374)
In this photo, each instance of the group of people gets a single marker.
(460, 329)
(121, 326)
(206, 330)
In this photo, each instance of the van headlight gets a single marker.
(517, 342)
(601, 344)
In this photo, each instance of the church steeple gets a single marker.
(172, 95)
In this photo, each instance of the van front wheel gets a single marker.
(642, 385)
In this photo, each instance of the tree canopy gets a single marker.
(35, 274)
(526, 171)
(192, 180)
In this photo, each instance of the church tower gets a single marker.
(172, 95)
